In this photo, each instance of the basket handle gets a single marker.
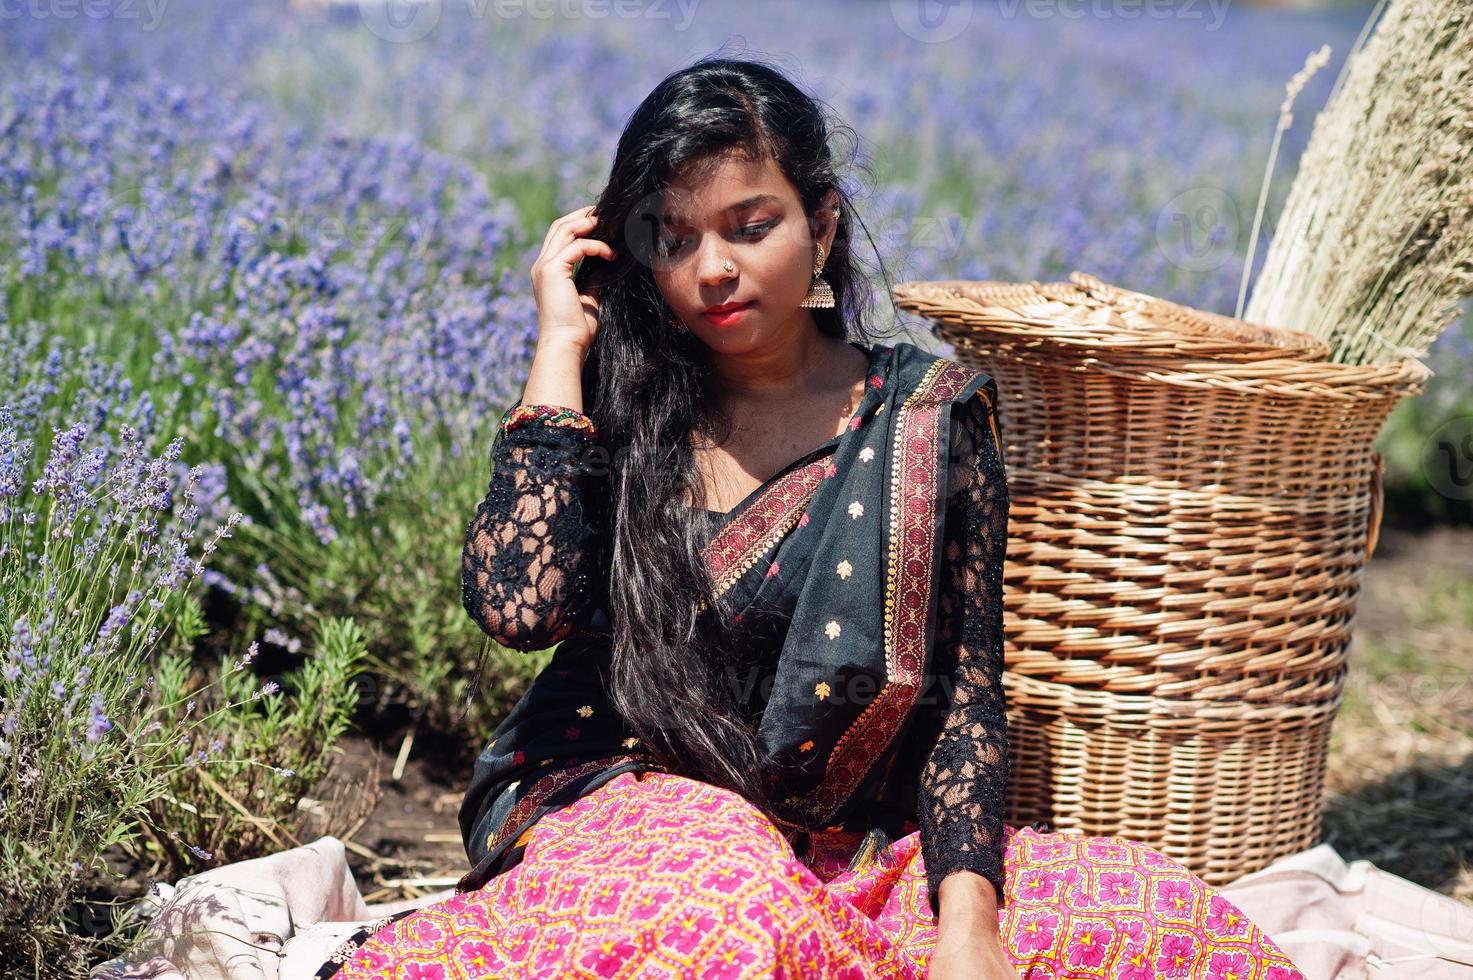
(1377, 504)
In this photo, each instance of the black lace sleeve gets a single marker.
(534, 550)
(965, 778)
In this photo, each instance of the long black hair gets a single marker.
(645, 386)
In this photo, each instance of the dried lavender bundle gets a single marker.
(1374, 250)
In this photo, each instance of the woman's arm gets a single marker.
(532, 561)
(965, 778)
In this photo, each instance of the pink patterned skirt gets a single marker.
(657, 875)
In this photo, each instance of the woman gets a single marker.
(772, 737)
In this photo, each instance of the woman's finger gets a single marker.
(579, 247)
(582, 215)
(561, 220)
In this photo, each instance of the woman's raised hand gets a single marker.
(564, 315)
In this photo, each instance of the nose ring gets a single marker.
(727, 266)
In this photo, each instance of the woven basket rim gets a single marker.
(1290, 378)
(1102, 316)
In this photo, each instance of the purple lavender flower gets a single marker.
(15, 455)
(117, 618)
(97, 721)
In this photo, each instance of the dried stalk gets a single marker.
(1374, 250)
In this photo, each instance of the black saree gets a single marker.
(831, 570)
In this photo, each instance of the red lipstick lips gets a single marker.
(726, 313)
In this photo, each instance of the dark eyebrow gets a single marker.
(753, 201)
(742, 205)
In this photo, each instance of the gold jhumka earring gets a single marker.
(820, 293)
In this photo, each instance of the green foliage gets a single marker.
(234, 781)
(1418, 488)
(396, 571)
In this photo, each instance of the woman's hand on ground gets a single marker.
(564, 315)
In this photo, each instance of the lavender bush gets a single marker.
(332, 320)
(96, 561)
(105, 720)
(1139, 163)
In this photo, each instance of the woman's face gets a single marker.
(747, 215)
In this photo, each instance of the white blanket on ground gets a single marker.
(279, 917)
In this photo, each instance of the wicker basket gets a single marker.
(1193, 502)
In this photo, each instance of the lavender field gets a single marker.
(263, 291)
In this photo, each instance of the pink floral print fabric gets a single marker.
(658, 875)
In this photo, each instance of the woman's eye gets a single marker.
(669, 246)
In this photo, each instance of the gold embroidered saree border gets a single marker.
(915, 484)
(740, 544)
